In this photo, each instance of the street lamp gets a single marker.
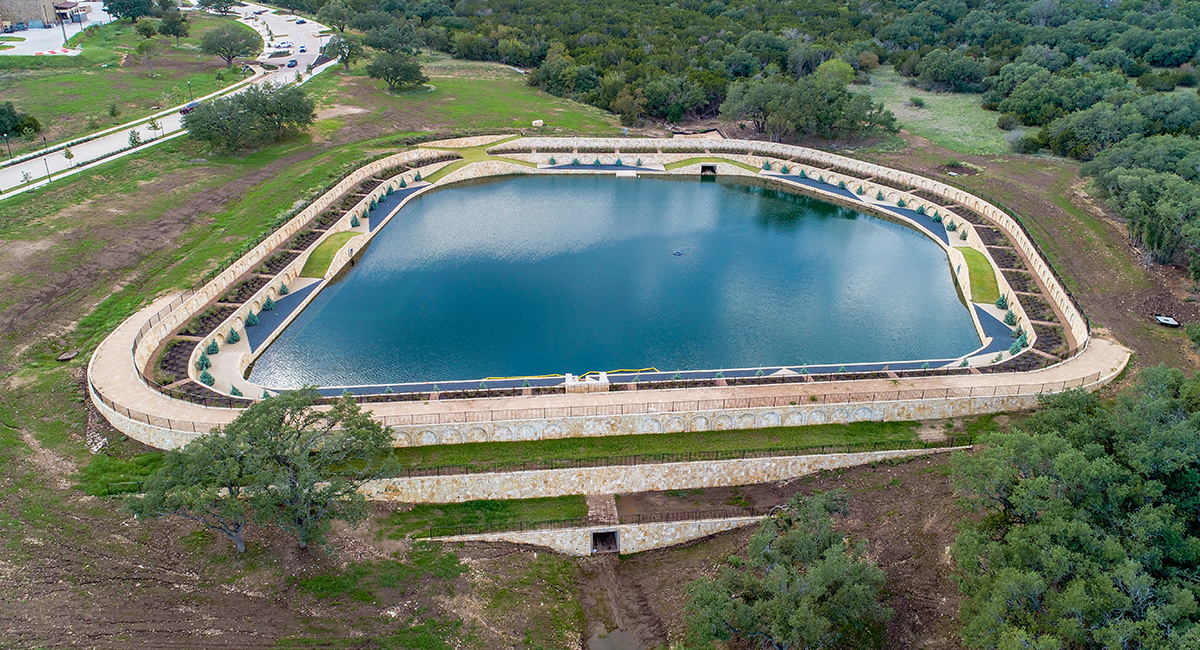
(46, 162)
(190, 99)
(8, 145)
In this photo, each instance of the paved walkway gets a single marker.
(114, 375)
(171, 122)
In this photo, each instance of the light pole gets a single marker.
(63, 24)
(8, 145)
(46, 162)
(190, 99)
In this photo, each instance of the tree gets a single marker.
(257, 116)
(951, 71)
(1090, 534)
(220, 6)
(131, 9)
(70, 155)
(146, 29)
(205, 482)
(398, 70)
(395, 38)
(336, 14)
(13, 122)
(345, 48)
(174, 23)
(309, 464)
(229, 42)
(801, 586)
(147, 50)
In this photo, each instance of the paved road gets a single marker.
(44, 40)
(281, 27)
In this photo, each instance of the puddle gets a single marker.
(615, 640)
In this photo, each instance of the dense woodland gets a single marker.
(1104, 81)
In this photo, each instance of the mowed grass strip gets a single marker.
(695, 161)
(480, 513)
(320, 259)
(984, 286)
(482, 455)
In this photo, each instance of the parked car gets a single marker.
(292, 63)
(301, 21)
(188, 108)
(303, 49)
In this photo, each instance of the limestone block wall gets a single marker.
(619, 479)
(631, 538)
(802, 413)
(166, 434)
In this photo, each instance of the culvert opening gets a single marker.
(605, 542)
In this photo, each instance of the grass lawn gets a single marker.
(71, 96)
(984, 286)
(418, 520)
(320, 259)
(952, 120)
(501, 454)
(692, 161)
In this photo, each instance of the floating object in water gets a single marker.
(678, 253)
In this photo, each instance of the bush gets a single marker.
(784, 169)
(207, 379)
(1010, 318)
(233, 336)
(937, 217)
(951, 226)
(879, 195)
(233, 390)
(283, 290)
(962, 235)
(354, 222)
(1002, 302)
(212, 348)
(1019, 344)
(268, 304)
(552, 161)
(403, 183)
(901, 203)
(1193, 332)
(916, 102)
(861, 190)
(251, 319)
(1007, 122)
(203, 362)
(1027, 144)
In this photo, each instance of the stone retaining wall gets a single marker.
(631, 538)
(618, 479)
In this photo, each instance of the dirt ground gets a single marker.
(905, 512)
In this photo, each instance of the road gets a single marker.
(279, 26)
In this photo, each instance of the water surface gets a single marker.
(538, 275)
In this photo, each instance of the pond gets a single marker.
(549, 274)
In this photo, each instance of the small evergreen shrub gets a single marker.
(525, 384)
(207, 379)
(901, 203)
(1002, 302)
(925, 366)
(962, 235)
(1018, 345)
(417, 178)
(483, 385)
(1017, 333)
(552, 161)
(233, 390)
(841, 368)
(639, 162)
(268, 304)
(618, 163)
(203, 362)
(390, 189)
(720, 375)
(821, 179)
(951, 226)
(403, 183)
(676, 377)
(803, 174)
(251, 319)
(212, 348)
(879, 195)
(920, 209)
(861, 190)
(841, 185)
(596, 162)
(937, 217)
(283, 290)
(266, 395)
(784, 169)
(759, 373)
(233, 336)
(1010, 318)
(767, 165)
(964, 364)
(999, 357)
(374, 205)
(388, 390)
(575, 161)
(354, 222)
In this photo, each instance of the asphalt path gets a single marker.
(272, 27)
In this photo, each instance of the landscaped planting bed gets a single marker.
(1050, 340)
(1021, 281)
(326, 219)
(204, 322)
(302, 240)
(242, 291)
(173, 360)
(1038, 309)
(1023, 363)
(1006, 258)
(992, 236)
(275, 263)
(205, 395)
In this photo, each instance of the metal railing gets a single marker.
(682, 457)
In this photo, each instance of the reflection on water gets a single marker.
(543, 275)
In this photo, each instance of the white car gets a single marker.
(285, 45)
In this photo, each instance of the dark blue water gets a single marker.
(555, 274)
